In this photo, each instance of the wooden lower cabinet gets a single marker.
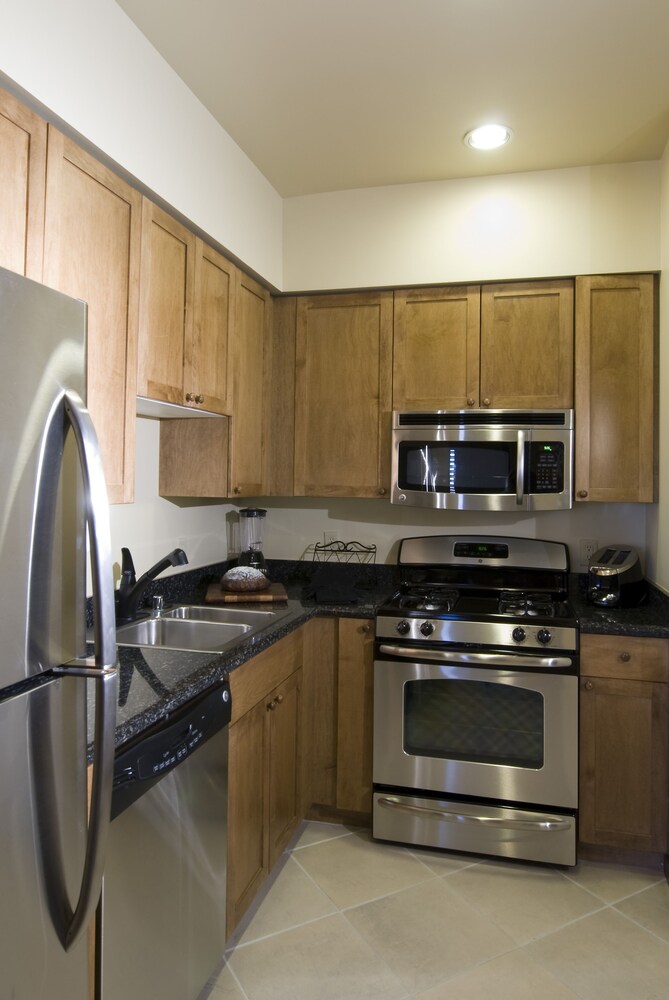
(624, 744)
(338, 718)
(355, 714)
(264, 803)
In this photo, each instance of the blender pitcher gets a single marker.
(251, 521)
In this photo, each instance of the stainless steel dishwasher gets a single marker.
(161, 919)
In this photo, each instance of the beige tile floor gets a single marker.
(347, 918)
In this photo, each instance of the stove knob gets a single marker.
(403, 627)
(544, 636)
(518, 634)
(427, 628)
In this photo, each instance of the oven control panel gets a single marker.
(481, 633)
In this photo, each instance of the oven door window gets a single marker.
(458, 467)
(476, 721)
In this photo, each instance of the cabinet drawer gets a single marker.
(625, 657)
(252, 681)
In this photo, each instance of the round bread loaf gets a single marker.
(244, 578)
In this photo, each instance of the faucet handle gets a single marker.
(127, 567)
(156, 605)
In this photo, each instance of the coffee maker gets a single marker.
(615, 579)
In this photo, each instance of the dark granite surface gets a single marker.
(154, 682)
(650, 619)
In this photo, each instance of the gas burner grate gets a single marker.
(432, 599)
(534, 605)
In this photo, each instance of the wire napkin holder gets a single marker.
(344, 552)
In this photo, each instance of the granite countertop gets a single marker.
(155, 682)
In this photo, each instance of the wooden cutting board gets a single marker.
(216, 595)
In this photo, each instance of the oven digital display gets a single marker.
(481, 550)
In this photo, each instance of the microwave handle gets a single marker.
(520, 469)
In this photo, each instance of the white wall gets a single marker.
(583, 220)
(658, 518)
(87, 63)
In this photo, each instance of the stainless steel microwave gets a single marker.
(500, 460)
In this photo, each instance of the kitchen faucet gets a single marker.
(131, 590)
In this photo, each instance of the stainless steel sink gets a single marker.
(228, 616)
(171, 633)
(198, 628)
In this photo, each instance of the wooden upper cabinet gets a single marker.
(206, 357)
(22, 166)
(436, 348)
(248, 387)
(91, 251)
(527, 345)
(166, 305)
(616, 443)
(343, 395)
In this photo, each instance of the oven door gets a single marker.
(477, 728)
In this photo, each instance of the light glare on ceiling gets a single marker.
(488, 136)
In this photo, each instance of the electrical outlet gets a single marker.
(329, 536)
(587, 549)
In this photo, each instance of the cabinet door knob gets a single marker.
(279, 699)
(588, 685)
(199, 398)
(381, 491)
(237, 489)
(471, 402)
(190, 397)
(625, 657)
(367, 628)
(486, 402)
(272, 705)
(582, 493)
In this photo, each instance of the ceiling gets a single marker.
(324, 95)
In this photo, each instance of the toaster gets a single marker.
(615, 579)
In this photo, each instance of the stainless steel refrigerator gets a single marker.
(53, 506)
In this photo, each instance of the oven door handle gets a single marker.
(546, 824)
(520, 469)
(517, 660)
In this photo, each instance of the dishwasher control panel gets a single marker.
(166, 744)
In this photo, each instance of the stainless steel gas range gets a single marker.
(476, 700)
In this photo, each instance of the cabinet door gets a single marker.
(343, 395)
(22, 166)
(166, 305)
(283, 714)
(91, 251)
(248, 859)
(436, 339)
(527, 345)
(247, 439)
(623, 764)
(615, 388)
(355, 701)
(319, 716)
(206, 356)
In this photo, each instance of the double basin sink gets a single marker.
(196, 628)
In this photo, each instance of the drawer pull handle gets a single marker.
(625, 657)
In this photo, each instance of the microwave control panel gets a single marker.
(546, 467)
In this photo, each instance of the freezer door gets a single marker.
(41, 735)
(42, 537)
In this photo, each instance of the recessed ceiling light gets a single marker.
(488, 136)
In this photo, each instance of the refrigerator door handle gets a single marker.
(96, 508)
(105, 672)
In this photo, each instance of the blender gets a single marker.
(251, 522)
